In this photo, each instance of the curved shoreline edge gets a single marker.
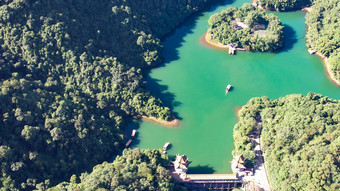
(206, 40)
(172, 123)
(327, 69)
(323, 57)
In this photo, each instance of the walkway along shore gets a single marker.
(172, 123)
(260, 177)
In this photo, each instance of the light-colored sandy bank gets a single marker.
(172, 123)
(207, 40)
(327, 69)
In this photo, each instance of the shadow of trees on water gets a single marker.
(172, 42)
(290, 38)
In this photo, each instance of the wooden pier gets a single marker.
(233, 47)
(231, 50)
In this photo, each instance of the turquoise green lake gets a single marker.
(193, 79)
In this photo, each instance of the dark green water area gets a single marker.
(193, 79)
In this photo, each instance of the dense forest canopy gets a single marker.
(70, 74)
(300, 139)
(135, 170)
(248, 26)
(283, 5)
(323, 32)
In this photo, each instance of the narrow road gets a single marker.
(260, 174)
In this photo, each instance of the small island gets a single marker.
(247, 27)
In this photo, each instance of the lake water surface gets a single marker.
(192, 82)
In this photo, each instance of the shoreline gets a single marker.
(327, 69)
(172, 123)
(237, 110)
(307, 9)
(206, 40)
(324, 59)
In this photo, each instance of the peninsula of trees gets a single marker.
(323, 32)
(248, 27)
(300, 139)
(135, 170)
(282, 5)
(70, 76)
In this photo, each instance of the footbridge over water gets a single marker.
(207, 181)
(212, 181)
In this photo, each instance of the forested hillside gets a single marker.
(323, 32)
(70, 74)
(135, 170)
(283, 5)
(248, 27)
(300, 139)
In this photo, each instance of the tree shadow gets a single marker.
(172, 42)
(290, 38)
(133, 124)
(161, 92)
(201, 169)
(175, 38)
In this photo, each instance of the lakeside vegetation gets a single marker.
(282, 5)
(135, 169)
(323, 32)
(71, 73)
(248, 27)
(300, 139)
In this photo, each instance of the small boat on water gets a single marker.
(227, 89)
(165, 147)
(128, 143)
(133, 133)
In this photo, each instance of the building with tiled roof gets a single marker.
(181, 164)
(238, 163)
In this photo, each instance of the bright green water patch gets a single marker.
(193, 82)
